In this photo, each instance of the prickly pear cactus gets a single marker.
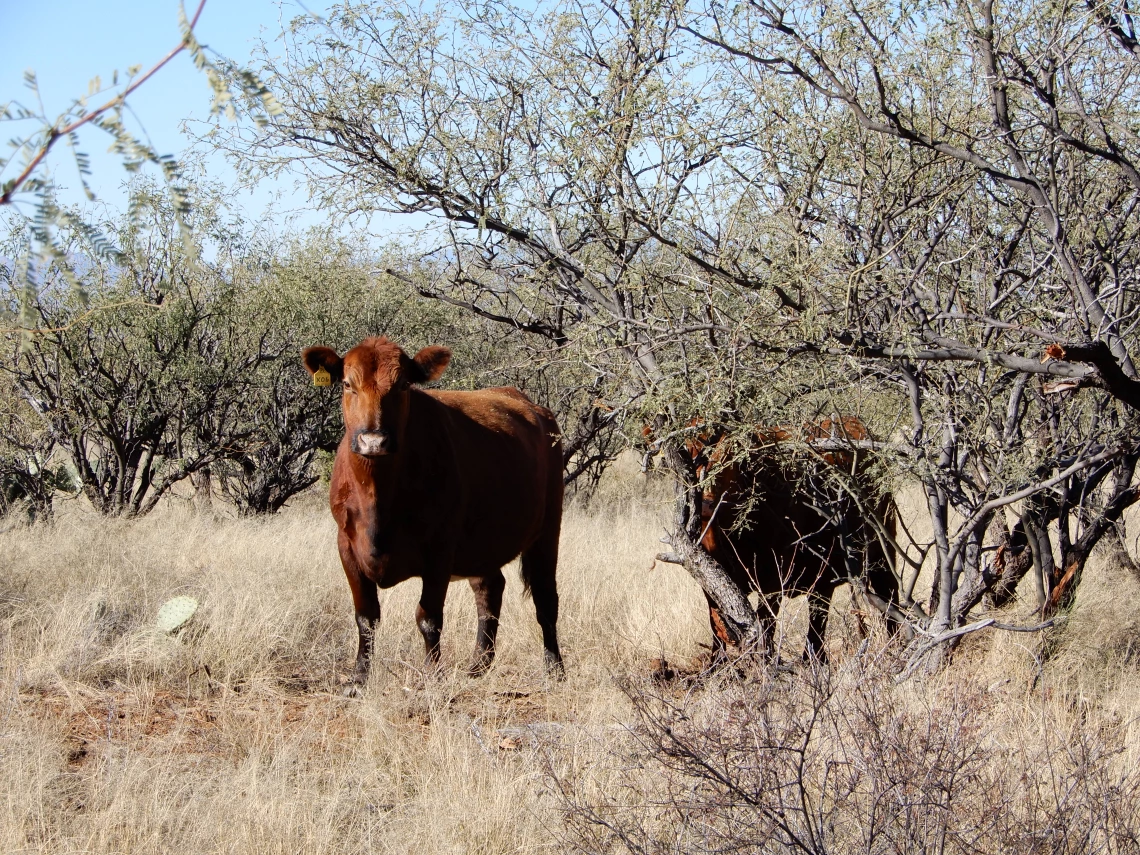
(175, 612)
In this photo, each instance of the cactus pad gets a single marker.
(175, 612)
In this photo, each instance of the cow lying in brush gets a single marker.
(776, 535)
(441, 486)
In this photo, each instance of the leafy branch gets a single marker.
(49, 216)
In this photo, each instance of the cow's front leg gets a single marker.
(367, 607)
(429, 616)
(488, 592)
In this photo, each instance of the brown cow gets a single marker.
(441, 485)
(775, 537)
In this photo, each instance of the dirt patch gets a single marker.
(164, 722)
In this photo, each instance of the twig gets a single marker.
(55, 133)
(80, 318)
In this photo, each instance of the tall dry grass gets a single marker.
(232, 735)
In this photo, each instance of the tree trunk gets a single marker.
(203, 487)
(738, 614)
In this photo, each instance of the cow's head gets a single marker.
(377, 376)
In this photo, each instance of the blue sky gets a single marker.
(68, 42)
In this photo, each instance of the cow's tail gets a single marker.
(540, 560)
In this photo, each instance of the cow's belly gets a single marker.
(465, 523)
(772, 556)
(502, 517)
(399, 558)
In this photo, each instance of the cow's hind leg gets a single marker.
(767, 610)
(539, 564)
(488, 602)
(819, 606)
(429, 617)
(720, 635)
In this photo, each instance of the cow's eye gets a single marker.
(347, 389)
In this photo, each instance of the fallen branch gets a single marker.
(949, 634)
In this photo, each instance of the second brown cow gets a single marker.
(441, 485)
(777, 534)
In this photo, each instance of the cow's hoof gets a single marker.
(555, 670)
(660, 671)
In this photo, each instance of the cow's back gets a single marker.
(506, 454)
(760, 525)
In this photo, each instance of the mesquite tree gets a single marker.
(994, 225)
(131, 371)
(924, 215)
(165, 366)
(28, 475)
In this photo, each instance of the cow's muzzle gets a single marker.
(373, 443)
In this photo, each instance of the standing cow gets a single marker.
(775, 535)
(441, 485)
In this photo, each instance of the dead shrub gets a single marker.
(847, 761)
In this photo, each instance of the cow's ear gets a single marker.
(316, 358)
(430, 363)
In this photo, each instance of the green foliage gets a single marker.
(313, 289)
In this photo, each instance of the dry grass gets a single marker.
(232, 736)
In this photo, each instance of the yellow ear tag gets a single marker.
(321, 377)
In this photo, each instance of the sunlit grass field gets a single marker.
(232, 734)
